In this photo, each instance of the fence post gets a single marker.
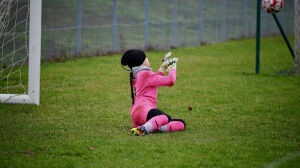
(282, 13)
(79, 26)
(264, 22)
(216, 26)
(175, 23)
(146, 24)
(224, 20)
(246, 18)
(200, 21)
(115, 26)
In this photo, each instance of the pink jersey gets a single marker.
(146, 84)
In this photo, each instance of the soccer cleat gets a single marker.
(139, 131)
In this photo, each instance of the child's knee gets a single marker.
(179, 120)
(155, 112)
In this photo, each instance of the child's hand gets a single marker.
(172, 64)
(163, 66)
(167, 56)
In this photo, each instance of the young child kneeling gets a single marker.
(145, 116)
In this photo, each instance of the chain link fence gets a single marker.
(95, 27)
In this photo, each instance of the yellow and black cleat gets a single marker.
(139, 131)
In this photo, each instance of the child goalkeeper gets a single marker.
(145, 116)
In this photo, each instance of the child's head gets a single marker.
(134, 57)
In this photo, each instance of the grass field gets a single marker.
(238, 119)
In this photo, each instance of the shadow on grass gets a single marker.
(289, 72)
(295, 71)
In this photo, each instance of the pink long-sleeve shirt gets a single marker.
(145, 84)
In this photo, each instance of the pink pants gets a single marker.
(145, 115)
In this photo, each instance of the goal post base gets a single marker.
(17, 99)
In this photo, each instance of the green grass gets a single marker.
(238, 119)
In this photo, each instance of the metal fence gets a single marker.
(93, 27)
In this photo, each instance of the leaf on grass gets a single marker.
(91, 148)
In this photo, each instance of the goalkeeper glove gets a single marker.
(172, 64)
(164, 65)
(167, 56)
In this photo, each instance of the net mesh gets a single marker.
(13, 46)
(88, 26)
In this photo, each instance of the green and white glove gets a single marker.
(172, 63)
(163, 67)
(164, 64)
(167, 56)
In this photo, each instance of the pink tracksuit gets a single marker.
(145, 84)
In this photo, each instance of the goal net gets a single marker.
(20, 47)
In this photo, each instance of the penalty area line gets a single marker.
(283, 159)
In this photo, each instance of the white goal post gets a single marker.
(33, 96)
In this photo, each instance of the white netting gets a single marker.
(14, 20)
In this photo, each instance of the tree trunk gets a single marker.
(297, 33)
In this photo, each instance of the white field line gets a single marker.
(283, 159)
